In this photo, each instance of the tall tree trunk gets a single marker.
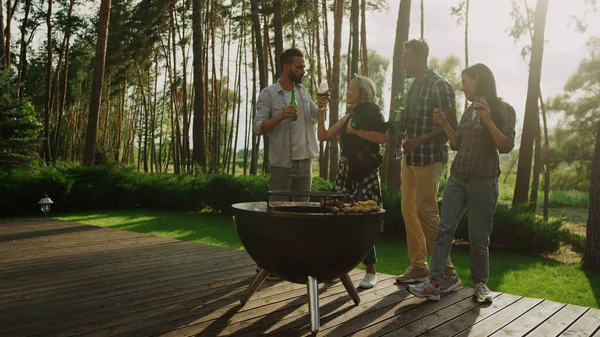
(248, 126)
(363, 38)
(267, 52)
(537, 167)
(467, 3)
(238, 91)
(391, 167)
(531, 106)
(153, 159)
(2, 39)
(422, 19)
(317, 14)
(325, 156)
(96, 93)
(55, 87)
(260, 58)
(143, 144)
(47, 99)
(23, 50)
(354, 18)
(278, 27)
(326, 41)
(120, 119)
(591, 255)
(199, 153)
(65, 81)
(255, 139)
(106, 115)
(338, 21)
(546, 160)
(185, 148)
(10, 12)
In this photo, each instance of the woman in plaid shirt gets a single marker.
(486, 128)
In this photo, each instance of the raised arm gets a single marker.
(440, 118)
(324, 134)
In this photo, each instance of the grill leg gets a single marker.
(256, 283)
(313, 303)
(350, 288)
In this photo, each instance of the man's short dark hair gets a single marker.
(419, 47)
(288, 56)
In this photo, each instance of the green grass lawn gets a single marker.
(512, 273)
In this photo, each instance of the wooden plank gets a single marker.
(558, 322)
(55, 314)
(65, 244)
(386, 319)
(401, 314)
(203, 293)
(425, 323)
(65, 275)
(115, 258)
(295, 310)
(522, 325)
(74, 293)
(496, 321)
(147, 242)
(103, 286)
(98, 254)
(586, 325)
(295, 322)
(190, 309)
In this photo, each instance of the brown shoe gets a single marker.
(412, 275)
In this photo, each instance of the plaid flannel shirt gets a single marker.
(474, 157)
(433, 92)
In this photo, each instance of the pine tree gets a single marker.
(19, 128)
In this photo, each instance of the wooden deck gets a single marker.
(65, 279)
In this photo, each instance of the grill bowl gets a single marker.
(294, 242)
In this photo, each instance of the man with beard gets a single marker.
(293, 141)
(422, 147)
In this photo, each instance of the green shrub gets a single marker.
(518, 231)
(512, 229)
(320, 184)
(77, 188)
(570, 198)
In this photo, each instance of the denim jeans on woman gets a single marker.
(480, 196)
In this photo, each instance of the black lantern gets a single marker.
(45, 203)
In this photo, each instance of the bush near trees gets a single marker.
(77, 188)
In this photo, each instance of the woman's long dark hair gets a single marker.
(487, 87)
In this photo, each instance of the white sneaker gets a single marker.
(482, 293)
(368, 282)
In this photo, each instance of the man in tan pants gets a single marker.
(424, 153)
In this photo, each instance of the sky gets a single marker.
(489, 42)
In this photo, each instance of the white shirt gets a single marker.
(289, 140)
(298, 130)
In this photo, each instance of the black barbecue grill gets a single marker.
(304, 242)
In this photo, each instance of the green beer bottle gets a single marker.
(294, 103)
(398, 112)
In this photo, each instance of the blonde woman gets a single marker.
(361, 131)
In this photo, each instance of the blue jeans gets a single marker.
(370, 259)
(480, 195)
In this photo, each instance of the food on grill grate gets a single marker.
(360, 207)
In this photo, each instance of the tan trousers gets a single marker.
(420, 211)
